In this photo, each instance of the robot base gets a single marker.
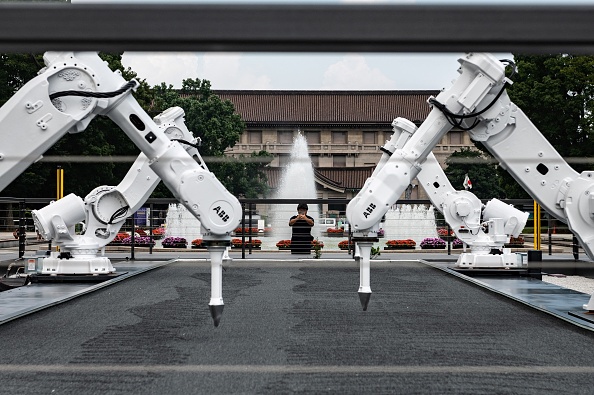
(489, 261)
(76, 265)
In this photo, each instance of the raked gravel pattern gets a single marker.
(577, 283)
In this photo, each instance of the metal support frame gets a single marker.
(38, 27)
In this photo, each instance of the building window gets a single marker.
(339, 137)
(283, 160)
(369, 138)
(313, 137)
(285, 137)
(387, 137)
(339, 160)
(339, 208)
(455, 138)
(255, 137)
(315, 160)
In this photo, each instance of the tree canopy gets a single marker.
(207, 116)
(557, 93)
(486, 183)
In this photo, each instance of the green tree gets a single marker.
(209, 117)
(219, 127)
(557, 93)
(486, 182)
(244, 176)
(101, 138)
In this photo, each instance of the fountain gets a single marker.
(181, 223)
(297, 182)
(406, 221)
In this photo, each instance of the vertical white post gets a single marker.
(216, 282)
(365, 272)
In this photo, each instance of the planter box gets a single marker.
(514, 245)
(433, 247)
(341, 234)
(399, 248)
(247, 247)
(345, 248)
(175, 246)
(198, 248)
(289, 248)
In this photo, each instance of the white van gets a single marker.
(327, 222)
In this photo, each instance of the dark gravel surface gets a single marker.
(295, 328)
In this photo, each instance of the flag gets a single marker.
(467, 184)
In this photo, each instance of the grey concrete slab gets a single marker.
(552, 299)
(295, 327)
(28, 299)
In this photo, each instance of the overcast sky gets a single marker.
(308, 71)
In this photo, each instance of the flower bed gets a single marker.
(345, 245)
(240, 231)
(120, 238)
(158, 233)
(237, 243)
(335, 232)
(174, 242)
(446, 235)
(286, 244)
(197, 244)
(515, 242)
(408, 244)
(140, 241)
(457, 243)
(432, 243)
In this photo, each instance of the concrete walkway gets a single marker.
(295, 326)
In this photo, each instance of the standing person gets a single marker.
(301, 224)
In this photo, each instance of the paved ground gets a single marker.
(294, 328)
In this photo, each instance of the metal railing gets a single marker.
(17, 224)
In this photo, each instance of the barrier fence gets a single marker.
(161, 223)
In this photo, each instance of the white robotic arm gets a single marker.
(67, 94)
(485, 228)
(104, 209)
(481, 81)
(534, 163)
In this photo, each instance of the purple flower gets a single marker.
(170, 241)
(138, 240)
(432, 242)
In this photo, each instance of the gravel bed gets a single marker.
(577, 283)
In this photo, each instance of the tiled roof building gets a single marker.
(344, 130)
(328, 108)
